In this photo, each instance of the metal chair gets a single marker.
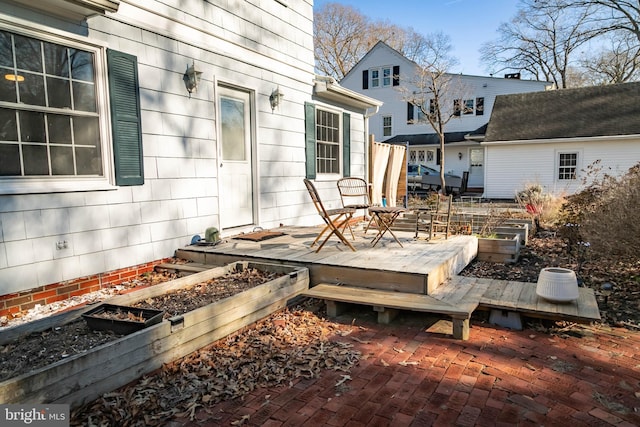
(354, 193)
(335, 219)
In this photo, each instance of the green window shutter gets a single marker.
(310, 139)
(124, 92)
(346, 144)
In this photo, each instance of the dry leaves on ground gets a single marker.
(274, 351)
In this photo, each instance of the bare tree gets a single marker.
(342, 36)
(436, 92)
(607, 15)
(618, 63)
(542, 41)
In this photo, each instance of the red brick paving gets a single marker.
(498, 377)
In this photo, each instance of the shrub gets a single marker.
(603, 215)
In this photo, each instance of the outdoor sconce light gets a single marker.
(275, 98)
(460, 156)
(191, 78)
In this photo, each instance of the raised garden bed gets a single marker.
(503, 248)
(83, 377)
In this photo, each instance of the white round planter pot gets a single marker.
(557, 284)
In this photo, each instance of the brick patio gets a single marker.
(414, 375)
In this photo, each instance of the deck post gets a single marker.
(385, 315)
(461, 328)
(334, 308)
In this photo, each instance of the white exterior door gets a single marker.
(476, 168)
(236, 164)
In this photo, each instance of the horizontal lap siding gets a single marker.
(509, 168)
(256, 46)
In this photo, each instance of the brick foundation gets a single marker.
(12, 304)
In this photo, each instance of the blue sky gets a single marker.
(469, 23)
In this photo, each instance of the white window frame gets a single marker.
(431, 156)
(381, 77)
(559, 166)
(26, 185)
(386, 127)
(333, 175)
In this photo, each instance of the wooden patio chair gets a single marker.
(335, 219)
(441, 217)
(354, 193)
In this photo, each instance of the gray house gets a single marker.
(550, 138)
(127, 127)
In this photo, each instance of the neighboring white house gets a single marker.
(108, 163)
(551, 138)
(383, 71)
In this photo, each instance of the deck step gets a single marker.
(387, 303)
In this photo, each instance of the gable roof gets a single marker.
(379, 45)
(566, 113)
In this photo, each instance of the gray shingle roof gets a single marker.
(432, 138)
(566, 113)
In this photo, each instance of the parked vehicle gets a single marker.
(421, 177)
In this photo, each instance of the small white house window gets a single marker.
(386, 77)
(467, 107)
(420, 156)
(430, 156)
(386, 126)
(567, 166)
(381, 77)
(328, 140)
(412, 156)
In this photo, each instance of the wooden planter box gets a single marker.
(521, 230)
(503, 248)
(84, 377)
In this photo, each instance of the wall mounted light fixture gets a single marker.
(275, 98)
(191, 78)
(460, 155)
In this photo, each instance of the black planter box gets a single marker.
(121, 326)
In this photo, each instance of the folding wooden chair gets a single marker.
(354, 193)
(441, 217)
(335, 219)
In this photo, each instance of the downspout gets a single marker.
(367, 114)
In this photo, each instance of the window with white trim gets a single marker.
(50, 109)
(430, 156)
(381, 77)
(412, 156)
(567, 166)
(328, 140)
(386, 126)
(420, 156)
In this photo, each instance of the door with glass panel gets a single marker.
(476, 167)
(236, 160)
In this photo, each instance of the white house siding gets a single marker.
(509, 167)
(257, 45)
(465, 86)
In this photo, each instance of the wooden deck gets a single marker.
(421, 276)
